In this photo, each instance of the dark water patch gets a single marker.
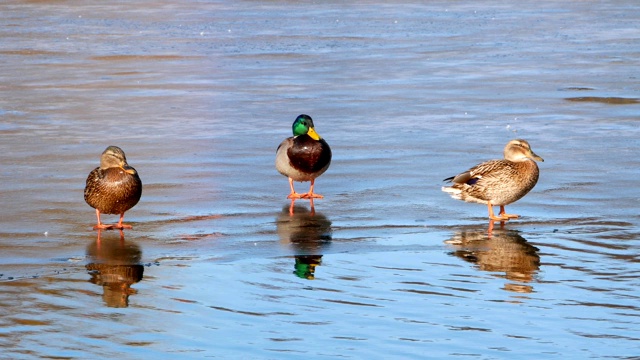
(425, 292)
(252, 313)
(400, 269)
(345, 302)
(576, 88)
(607, 336)
(605, 100)
(467, 328)
(312, 322)
(606, 305)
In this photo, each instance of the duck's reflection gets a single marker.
(114, 264)
(305, 267)
(293, 206)
(504, 251)
(307, 233)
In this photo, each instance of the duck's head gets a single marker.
(519, 150)
(113, 156)
(304, 125)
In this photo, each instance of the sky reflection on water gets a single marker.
(199, 94)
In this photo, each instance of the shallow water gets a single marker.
(199, 94)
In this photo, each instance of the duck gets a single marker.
(303, 157)
(498, 182)
(113, 188)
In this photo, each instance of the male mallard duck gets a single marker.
(498, 182)
(113, 188)
(303, 157)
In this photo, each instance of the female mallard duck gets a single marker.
(113, 188)
(498, 182)
(303, 157)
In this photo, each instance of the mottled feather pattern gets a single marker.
(487, 168)
(112, 191)
(490, 181)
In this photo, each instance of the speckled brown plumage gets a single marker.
(498, 182)
(113, 188)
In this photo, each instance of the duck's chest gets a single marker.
(309, 155)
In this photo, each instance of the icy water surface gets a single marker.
(199, 94)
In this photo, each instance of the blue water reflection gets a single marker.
(200, 93)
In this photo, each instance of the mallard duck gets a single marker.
(303, 157)
(498, 182)
(113, 188)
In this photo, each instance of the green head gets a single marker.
(304, 125)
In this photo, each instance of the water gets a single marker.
(199, 94)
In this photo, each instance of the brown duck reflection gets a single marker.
(501, 251)
(114, 264)
(307, 233)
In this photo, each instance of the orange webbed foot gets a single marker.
(311, 195)
(295, 195)
(506, 216)
(498, 218)
(501, 216)
(103, 227)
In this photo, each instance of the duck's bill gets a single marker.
(129, 169)
(313, 134)
(536, 157)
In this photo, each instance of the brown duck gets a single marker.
(498, 182)
(113, 188)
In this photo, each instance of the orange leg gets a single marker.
(311, 194)
(100, 224)
(293, 202)
(99, 241)
(490, 230)
(313, 209)
(492, 216)
(292, 206)
(507, 216)
(120, 225)
(293, 195)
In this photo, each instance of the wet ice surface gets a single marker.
(200, 94)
